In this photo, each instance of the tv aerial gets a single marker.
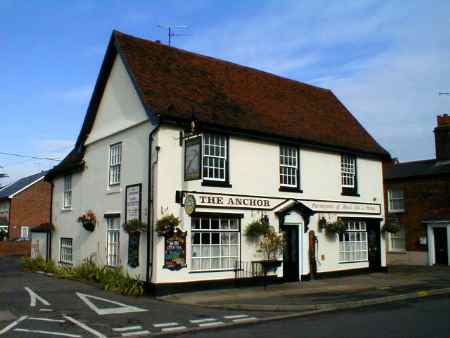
(174, 30)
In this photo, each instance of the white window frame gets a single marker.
(25, 231)
(397, 241)
(353, 245)
(289, 166)
(115, 164)
(113, 241)
(227, 253)
(392, 199)
(67, 198)
(66, 250)
(348, 171)
(214, 157)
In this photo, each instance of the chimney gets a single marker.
(442, 138)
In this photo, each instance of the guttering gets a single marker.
(150, 212)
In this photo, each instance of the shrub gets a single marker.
(271, 245)
(256, 229)
(391, 228)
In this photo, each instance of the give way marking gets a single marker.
(35, 297)
(118, 309)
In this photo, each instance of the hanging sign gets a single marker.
(175, 251)
(133, 195)
(189, 204)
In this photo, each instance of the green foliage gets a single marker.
(338, 227)
(135, 225)
(34, 264)
(391, 228)
(167, 224)
(256, 229)
(271, 245)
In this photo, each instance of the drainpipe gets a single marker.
(150, 211)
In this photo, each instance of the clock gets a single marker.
(192, 159)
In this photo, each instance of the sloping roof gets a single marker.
(175, 85)
(72, 162)
(21, 184)
(416, 169)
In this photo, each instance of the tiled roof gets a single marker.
(72, 162)
(416, 169)
(179, 84)
(20, 184)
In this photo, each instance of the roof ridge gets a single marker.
(116, 32)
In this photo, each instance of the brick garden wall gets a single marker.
(31, 207)
(8, 248)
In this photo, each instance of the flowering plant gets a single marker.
(88, 220)
(167, 225)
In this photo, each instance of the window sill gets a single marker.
(113, 190)
(66, 209)
(350, 193)
(208, 271)
(353, 262)
(290, 189)
(216, 184)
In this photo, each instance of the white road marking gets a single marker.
(14, 323)
(197, 321)
(136, 333)
(34, 297)
(48, 319)
(45, 310)
(239, 320)
(119, 309)
(127, 328)
(165, 324)
(211, 324)
(50, 333)
(170, 329)
(235, 316)
(85, 327)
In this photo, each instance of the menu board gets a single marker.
(175, 251)
(133, 202)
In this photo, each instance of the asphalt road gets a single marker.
(34, 305)
(424, 318)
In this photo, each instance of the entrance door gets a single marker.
(440, 245)
(291, 254)
(373, 244)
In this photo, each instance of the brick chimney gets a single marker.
(442, 138)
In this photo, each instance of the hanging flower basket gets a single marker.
(88, 220)
(338, 227)
(135, 225)
(391, 228)
(166, 225)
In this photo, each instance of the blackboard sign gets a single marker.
(175, 251)
(133, 249)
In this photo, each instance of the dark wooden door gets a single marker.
(373, 245)
(291, 254)
(440, 245)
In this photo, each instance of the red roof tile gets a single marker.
(177, 84)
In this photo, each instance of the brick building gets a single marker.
(417, 198)
(25, 204)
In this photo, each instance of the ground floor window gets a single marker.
(397, 240)
(353, 243)
(215, 243)
(112, 240)
(24, 232)
(66, 250)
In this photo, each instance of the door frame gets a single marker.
(430, 240)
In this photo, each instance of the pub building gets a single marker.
(171, 134)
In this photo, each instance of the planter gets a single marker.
(270, 265)
(89, 226)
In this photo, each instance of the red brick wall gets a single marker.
(22, 248)
(425, 198)
(30, 207)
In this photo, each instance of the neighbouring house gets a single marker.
(418, 201)
(217, 145)
(25, 205)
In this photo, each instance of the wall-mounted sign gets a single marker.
(343, 207)
(175, 251)
(192, 158)
(133, 197)
(208, 200)
(189, 204)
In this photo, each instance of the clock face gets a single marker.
(192, 159)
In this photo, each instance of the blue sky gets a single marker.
(386, 60)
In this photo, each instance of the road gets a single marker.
(424, 318)
(35, 305)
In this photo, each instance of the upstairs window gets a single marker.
(25, 232)
(348, 174)
(396, 201)
(289, 167)
(115, 162)
(67, 192)
(215, 158)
